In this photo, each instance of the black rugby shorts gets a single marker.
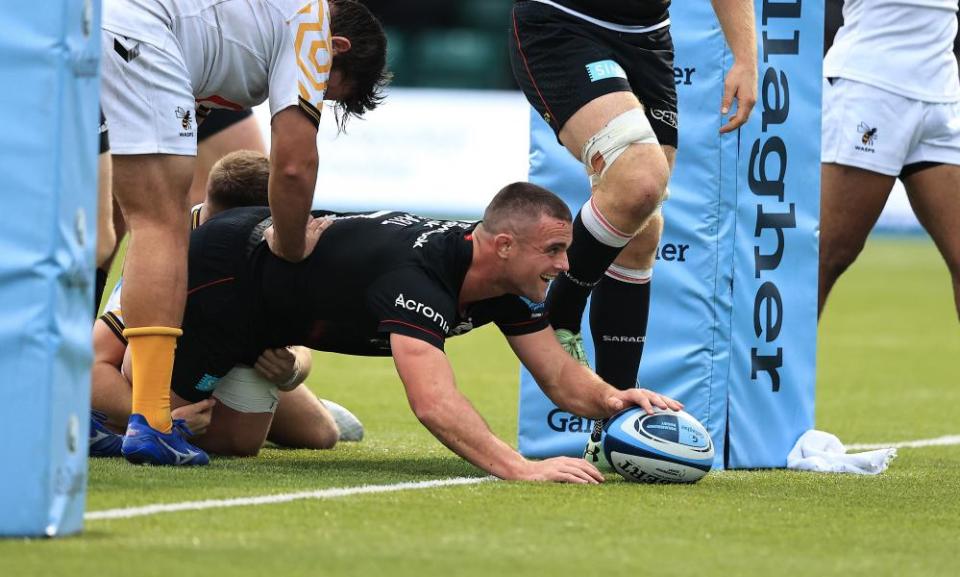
(562, 62)
(218, 120)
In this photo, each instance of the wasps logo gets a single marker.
(186, 118)
(869, 134)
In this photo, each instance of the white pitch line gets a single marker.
(937, 442)
(370, 489)
(281, 498)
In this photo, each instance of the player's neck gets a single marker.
(481, 281)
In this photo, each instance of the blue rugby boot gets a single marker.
(102, 441)
(145, 445)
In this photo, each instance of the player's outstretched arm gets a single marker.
(293, 177)
(739, 28)
(574, 387)
(445, 412)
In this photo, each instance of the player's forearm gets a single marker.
(293, 176)
(456, 424)
(432, 393)
(739, 28)
(304, 362)
(580, 391)
(291, 195)
(570, 385)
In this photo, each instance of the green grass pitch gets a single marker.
(888, 371)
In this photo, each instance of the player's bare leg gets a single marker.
(152, 193)
(106, 236)
(625, 195)
(851, 200)
(620, 306)
(302, 421)
(620, 303)
(934, 194)
(231, 432)
(243, 135)
(633, 186)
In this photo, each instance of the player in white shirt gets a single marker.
(891, 108)
(168, 61)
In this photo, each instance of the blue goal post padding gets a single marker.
(49, 169)
(732, 329)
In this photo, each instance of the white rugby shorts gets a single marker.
(873, 129)
(147, 97)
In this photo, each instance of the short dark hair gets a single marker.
(519, 202)
(239, 179)
(364, 66)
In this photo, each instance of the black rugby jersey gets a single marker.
(373, 274)
(626, 12)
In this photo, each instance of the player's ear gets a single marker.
(503, 243)
(339, 45)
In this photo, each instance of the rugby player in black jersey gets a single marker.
(271, 392)
(600, 73)
(392, 283)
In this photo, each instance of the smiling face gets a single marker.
(536, 256)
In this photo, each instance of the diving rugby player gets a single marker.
(392, 283)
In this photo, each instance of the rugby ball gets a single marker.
(665, 447)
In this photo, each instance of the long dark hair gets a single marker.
(364, 66)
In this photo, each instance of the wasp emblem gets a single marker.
(185, 116)
(869, 134)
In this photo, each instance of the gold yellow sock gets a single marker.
(151, 350)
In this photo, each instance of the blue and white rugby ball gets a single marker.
(665, 447)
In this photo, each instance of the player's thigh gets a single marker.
(152, 188)
(239, 130)
(670, 153)
(851, 200)
(934, 189)
(934, 194)
(223, 132)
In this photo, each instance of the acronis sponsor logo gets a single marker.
(412, 305)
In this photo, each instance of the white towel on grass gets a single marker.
(823, 452)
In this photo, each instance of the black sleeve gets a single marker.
(409, 302)
(516, 316)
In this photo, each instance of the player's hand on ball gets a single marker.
(279, 366)
(561, 470)
(642, 398)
